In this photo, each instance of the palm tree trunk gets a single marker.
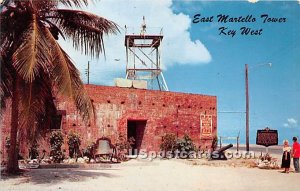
(12, 166)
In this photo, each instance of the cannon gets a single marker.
(219, 154)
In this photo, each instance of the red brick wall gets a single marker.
(165, 112)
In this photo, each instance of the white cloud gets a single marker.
(253, 1)
(291, 122)
(178, 48)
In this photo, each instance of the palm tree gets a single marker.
(34, 67)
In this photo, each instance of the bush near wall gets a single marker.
(74, 144)
(169, 143)
(56, 141)
(185, 145)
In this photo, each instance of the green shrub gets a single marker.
(89, 151)
(124, 144)
(168, 143)
(74, 144)
(185, 145)
(33, 151)
(56, 141)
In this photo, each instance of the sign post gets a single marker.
(267, 137)
(205, 126)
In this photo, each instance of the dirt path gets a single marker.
(155, 175)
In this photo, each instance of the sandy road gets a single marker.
(155, 175)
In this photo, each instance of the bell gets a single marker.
(103, 147)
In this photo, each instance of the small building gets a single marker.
(146, 115)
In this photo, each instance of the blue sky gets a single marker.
(199, 60)
(274, 92)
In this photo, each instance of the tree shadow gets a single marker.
(6, 176)
(55, 176)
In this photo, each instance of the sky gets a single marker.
(199, 58)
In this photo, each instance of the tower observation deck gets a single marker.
(143, 58)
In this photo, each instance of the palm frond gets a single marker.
(60, 71)
(4, 3)
(7, 26)
(7, 73)
(44, 6)
(55, 31)
(35, 104)
(77, 3)
(86, 30)
(67, 79)
(33, 54)
(82, 100)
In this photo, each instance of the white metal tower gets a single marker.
(143, 58)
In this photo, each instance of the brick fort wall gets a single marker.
(153, 113)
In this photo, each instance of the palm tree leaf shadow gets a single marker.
(56, 176)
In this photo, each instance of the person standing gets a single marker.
(286, 157)
(296, 154)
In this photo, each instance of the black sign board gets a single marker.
(267, 137)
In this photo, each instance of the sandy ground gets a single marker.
(144, 175)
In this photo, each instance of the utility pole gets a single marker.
(247, 107)
(87, 73)
(247, 101)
